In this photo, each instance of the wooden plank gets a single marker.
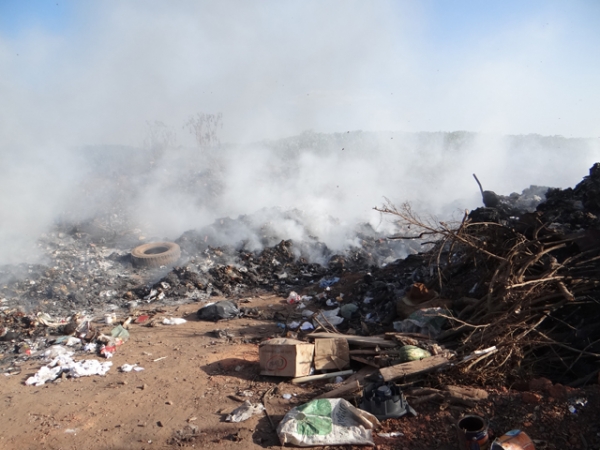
(352, 384)
(368, 341)
(413, 367)
(396, 335)
(365, 361)
(321, 376)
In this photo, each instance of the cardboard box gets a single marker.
(285, 357)
(331, 354)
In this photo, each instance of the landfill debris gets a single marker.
(142, 318)
(55, 351)
(286, 396)
(119, 332)
(286, 357)
(427, 321)
(331, 354)
(472, 433)
(110, 318)
(327, 422)
(385, 401)
(327, 282)
(307, 326)
(173, 321)
(576, 404)
(322, 376)
(130, 367)
(330, 317)
(412, 353)
(513, 440)
(293, 298)
(244, 412)
(69, 341)
(65, 364)
(219, 311)
(392, 434)
(348, 310)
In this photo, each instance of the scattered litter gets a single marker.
(110, 318)
(327, 422)
(285, 357)
(385, 401)
(120, 332)
(65, 364)
(286, 396)
(412, 353)
(293, 325)
(219, 311)
(244, 412)
(55, 351)
(328, 317)
(393, 434)
(427, 321)
(346, 311)
(477, 353)
(577, 404)
(513, 440)
(307, 326)
(159, 359)
(307, 313)
(293, 298)
(327, 282)
(130, 367)
(173, 321)
(473, 432)
(141, 319)
(69, 341)
(90, 347)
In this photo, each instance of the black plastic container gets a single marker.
(385, 401)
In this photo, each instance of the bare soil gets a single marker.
(193, 378)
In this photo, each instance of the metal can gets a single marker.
(513, 440)
(473, 433)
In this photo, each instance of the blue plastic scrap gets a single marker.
(326, 282)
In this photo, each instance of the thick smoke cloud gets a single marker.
(71, 94)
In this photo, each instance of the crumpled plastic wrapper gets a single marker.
(65, 364)
(245, 411)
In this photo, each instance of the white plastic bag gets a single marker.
(327, 422)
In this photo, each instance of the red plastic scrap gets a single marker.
(108, 350)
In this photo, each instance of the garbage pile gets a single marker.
(522, 283)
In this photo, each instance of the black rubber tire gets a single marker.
(155, 254)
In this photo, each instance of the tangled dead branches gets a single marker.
(520, 284)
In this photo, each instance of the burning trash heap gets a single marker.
(509, 293)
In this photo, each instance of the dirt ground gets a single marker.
(193, 378)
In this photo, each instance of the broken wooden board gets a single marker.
(351, 385)
(413, 367)
(365, 361)
(365, 341)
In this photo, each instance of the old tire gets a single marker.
(155, 254)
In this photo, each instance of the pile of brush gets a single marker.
(524, 283)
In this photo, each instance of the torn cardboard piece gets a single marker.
(331, 354)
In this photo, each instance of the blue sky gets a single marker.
(275, 68)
